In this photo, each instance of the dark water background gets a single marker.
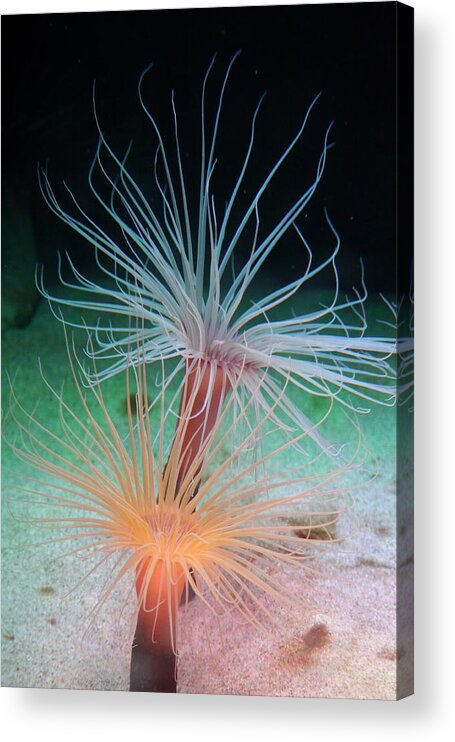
(346, 51)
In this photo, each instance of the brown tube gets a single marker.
(153, 660)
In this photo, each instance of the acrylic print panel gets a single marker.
(207, 459)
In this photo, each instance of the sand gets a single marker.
(340, 643)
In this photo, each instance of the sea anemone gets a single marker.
(170, 272)
(223, 530)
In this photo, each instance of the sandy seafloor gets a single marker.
(342, 643)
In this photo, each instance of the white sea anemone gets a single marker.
(171, 274)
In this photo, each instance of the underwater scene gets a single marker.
(207, 351)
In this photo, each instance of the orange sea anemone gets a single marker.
(221, 529)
